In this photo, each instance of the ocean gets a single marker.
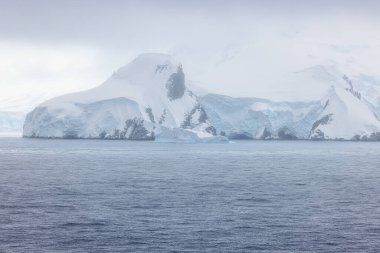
(133, 196)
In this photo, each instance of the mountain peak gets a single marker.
(149, 62)
(146, 67)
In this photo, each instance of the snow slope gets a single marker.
(345, 116)
(146, 93)
(150, 98)
(343, 113)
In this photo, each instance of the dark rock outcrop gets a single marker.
(285, 134)
(189, 121)
(322, 121)
(176, 84)
(240, 136)
(135, 130)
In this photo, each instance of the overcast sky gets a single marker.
(240, 48)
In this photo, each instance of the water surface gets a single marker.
(122, 196)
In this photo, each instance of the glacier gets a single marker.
(180, 135)
(151, 98)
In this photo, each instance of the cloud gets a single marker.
(241, 48)
(51, 68)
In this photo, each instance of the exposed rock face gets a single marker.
(135, 130)
(266, 134)
(176, 84)
(240, 136)
(196, 116)
(162, 117)
(317, 134)
(372, 137)
(211, 130)
(148, 110)
(286, 134)
(351, 89)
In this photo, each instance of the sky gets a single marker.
(239, 48)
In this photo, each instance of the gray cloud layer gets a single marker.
(235, 47)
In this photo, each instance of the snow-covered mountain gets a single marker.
(13, 111)
(151, 98)
(346, 115)
(343, 113)
(138, 102)
(11, 122)
(349, 108)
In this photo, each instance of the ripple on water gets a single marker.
(93, 196)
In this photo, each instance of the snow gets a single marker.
(253, 116)
(350, 116)
(127, 94)
(136, 80)
(179, 135)
(13, 110)
(139, 92)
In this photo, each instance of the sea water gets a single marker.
(251, 196)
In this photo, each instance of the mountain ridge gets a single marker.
(151, 96)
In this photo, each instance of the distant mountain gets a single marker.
(13, 111)
(343, 113)
(138, 102)
(152, 98)
(11, 122)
